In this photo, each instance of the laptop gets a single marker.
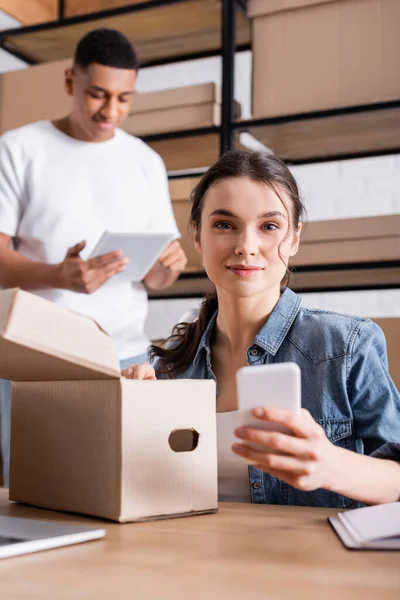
(23, 536)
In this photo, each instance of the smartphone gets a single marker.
(276, 386)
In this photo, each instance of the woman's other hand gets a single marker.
(142, 371)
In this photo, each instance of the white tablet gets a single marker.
(142, 249)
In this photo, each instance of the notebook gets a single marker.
(369, 528)
(23, 536)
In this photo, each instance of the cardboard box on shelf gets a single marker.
(311, 55)
(355, 240)
(85, 440)
(176, 109)
(180, 190)
(32, 94)
(193, 152)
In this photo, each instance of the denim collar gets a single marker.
(271, 334)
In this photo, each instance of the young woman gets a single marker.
(344, 448)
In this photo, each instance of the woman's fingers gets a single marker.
(274, 462)
(273, 441)
(142, 371)
(300, 423)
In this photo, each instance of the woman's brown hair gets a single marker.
(177, 352)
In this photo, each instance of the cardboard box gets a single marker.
(356, 240)
(312, 55)
(85, 440)
(33, 94)
(177, 109)
(180, 190)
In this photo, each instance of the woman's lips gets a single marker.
(245, 270)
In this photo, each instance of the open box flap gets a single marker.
(40, 340)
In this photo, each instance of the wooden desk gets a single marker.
(246, 552)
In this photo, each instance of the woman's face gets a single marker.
(246, 237)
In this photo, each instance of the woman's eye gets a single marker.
(269, 227)
(223, 225)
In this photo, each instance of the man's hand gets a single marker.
(170, 264)
(86, 277)
(173, 258)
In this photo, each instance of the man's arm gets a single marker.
(18, 271)
(72, 274)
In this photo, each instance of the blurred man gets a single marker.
(63, 183)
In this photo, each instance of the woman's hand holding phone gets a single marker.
(277, 435)
(304, 459)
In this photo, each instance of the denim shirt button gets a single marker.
(256, 485)
(254, 352)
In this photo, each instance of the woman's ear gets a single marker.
(196, 237)
(296, 240)
(69, 81)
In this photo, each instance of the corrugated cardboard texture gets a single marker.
(391, 329)
(156, 481)
(65, 446)
(52, 341)
(180, 190)
(324, 55)
(350, 240)
(83, 447)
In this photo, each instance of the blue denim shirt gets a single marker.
(345, 386)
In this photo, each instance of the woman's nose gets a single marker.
(246, 244)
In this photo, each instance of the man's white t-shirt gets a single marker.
(56, 191)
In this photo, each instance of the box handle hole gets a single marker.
(183, 440)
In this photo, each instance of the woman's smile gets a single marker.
(245, 271)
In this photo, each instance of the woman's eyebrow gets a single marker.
(227, 213)
(222, 212)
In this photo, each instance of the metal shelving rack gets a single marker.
(388, 271)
